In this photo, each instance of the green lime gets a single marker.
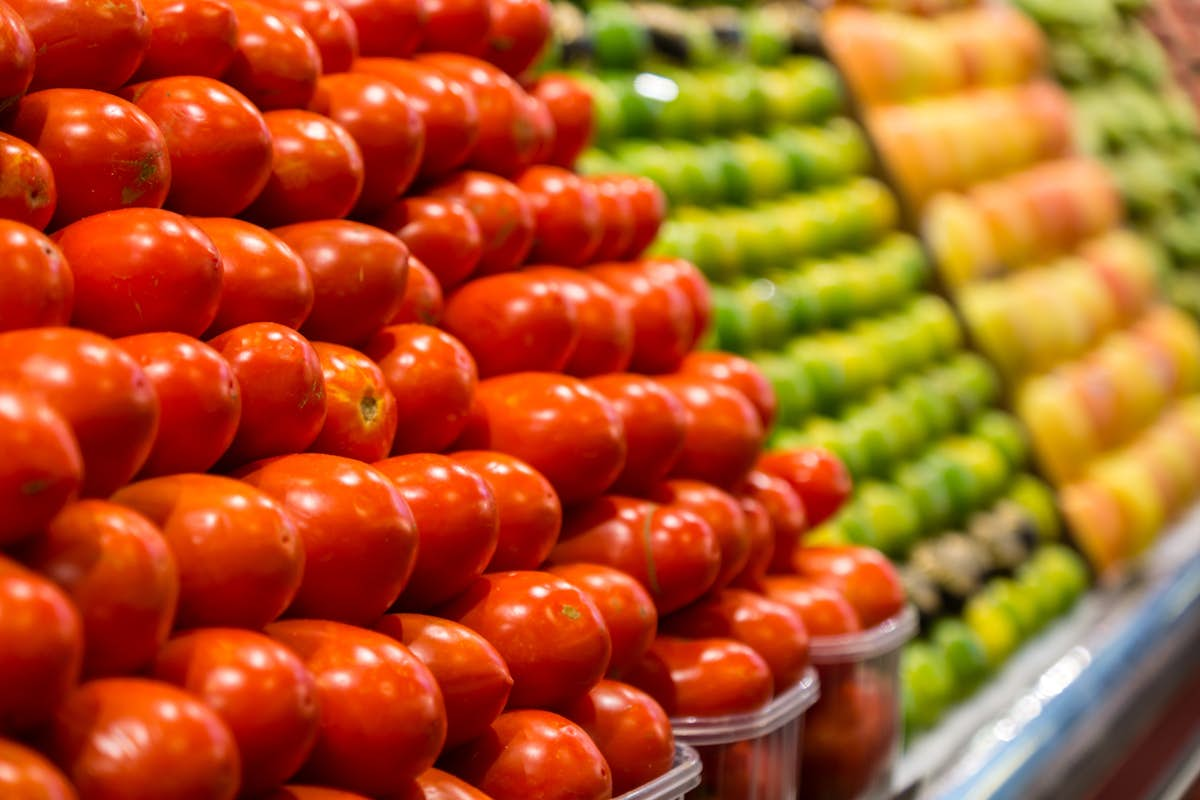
(959, 483)
(618, 39)
(824, 374)
(985, 462)
(977, 384)
(676, 238)
(766, 167)
(904, 253)
(1023, 607)
(1038, 501)
(995, 626)
(755, 248)
(805, 310)
(1005, 434)
(964, 653)
(639, 110)
(865, 428)
(765, 40)
(927, 678)
(850, 153)
(767, 312)
(935, 410)
(739, 99)
(793, 145)
(716, 252)
(823, 432)
(596, 162)
(793, 392)
(891, 517)
(735, 175)
(933, 314)
(904, 432)
(833, 294)
(606, 110)
(730, 321)
(1048, 599)
(1065, 568)
(701, 179)
(817, 83)
(929, 495)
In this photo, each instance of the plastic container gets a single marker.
(854, 729)
(674, 784)
(751, 756)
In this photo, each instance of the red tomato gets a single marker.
(528, 512)
(258, 688)
(663, 327)
(447, 107)
(473, 678)
(722, 513)
(239, 555)
(455, 26)
(655, 423)
(264, 280)
(672, 552)
(188, 37)
(504, 215)
(561, 427)
(566, 215)
(387, 27)
(849, 736)
(570, 104)
(283, 390)
(630, 729)
(533, 754)
(87, 45)
(627, 609)
(42, 650)
(361, 415)
(816, 475)
(28, 194)
(704, 677)
(543, 125)
(99, 391)
(423, 302)
(724, 434)
(649, 210)
(440, 232)
(825, 611)
(865, 577)
(519, 33)
(16, 65)
(42, 468)
(331, 27)
(386, 126)
(433, 784)
(26, 775)
(762, 544)
(173, 747)
(277, 63)
(316, 174)
(737, 373)
(105, 152)
(786, 511)
(688, 279)
(36, 286)
(616, 217)
(382, 717)
(433, 379)
(605, 325)
(313, 793)
(456, 518)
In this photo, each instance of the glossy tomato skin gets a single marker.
(605, 341)
(97, 388)
(455, 26)
(570, 105)
(120, 573)
(684, 276)
(89, 45)
(282, 386)
(703, 677)
(42, 469)
(188, 37)
(27, 775)
(37, 288)
(528, 512)
(503, 213)
(276, 64)
(104, 151)
(655, 424)
(423, 301)
(762, 544)
(473, 678)
(240, 557)
(616, 217)
(433, 784)
(631, 730)
(566, 215)
(649, 206)
(29, 196)
(520, 30)
(16, 68)
(736, 373)
(825, 612)
(389, 28)
(817, 476)
(258, 688)
(723, 435)
(293, 792)
(789, 522)
(382, 717)
(329, 25)
(361, 415)
(663, 325)
(849, 736)
(440, 232)
(627, 609)
(174, 746)
(722, 513)
(865, 577)
(433, 378)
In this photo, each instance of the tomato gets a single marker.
(387, 27)
(99, 391)
(817, 476)
(533, 754)
(447, 107)
(503, 213)
(42, 468)
(672, 552)
(283, 390)
(703, 677)
(649, 206)
(433, 379)
(311, 793)
(277, 63)
(239, 555)
(865, 577)
(529, 514)
(616, 216)
(329, 25)
(688, 279)
(423, 302)
(440, 232)
(566, 215)
(16, 65)
(723, 435)
(455, 26)
(456, 518)
(361, 415)
(762, 544)
(473, 678)
(258, 688)
(520, 30)
(26, 775)
(94, 44)
(42, 650)
(655, 423)
(105, 152)
(605, 342)
(662, 317)
(825, 612)
(188, 37)
(570, 105)
(433, 784)
(786, 511)
(543, 126)
(173, 747)
(627, 609)
(849, 737)
(382, 717)
(722, 513)
(630, 729)
(558, 425)
(264, 280)
(28, 195)
(737, 373)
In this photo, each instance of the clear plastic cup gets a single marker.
(751, 756)
(674, 784)
(853, 731)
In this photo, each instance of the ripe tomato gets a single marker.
(440, 232)
(703, 677)
(455, 26)
(762, 544)
(433, 379)
(786, 511)
(649, 210)
(239, 555)
(433, 784)
(188, 37)
(663, 327)
(737, 373)
(28, 195)
(816, 475)
(825, 612)
(474, 680)
(36, 286)
(520, 30)
(543, 125)
(447, 107)
(722, 513)
(173, 747)
(672, 552)
(42, 651)
(42, 468)
(361, 415)
(99, 391)
(329, 25)
(570, 105)
(382, 718)
(566, 215)
(605, 325)
(723, 435)
(423, 302)
(528, 512)
(26, 775)
(358, 274)
(504, 215)
(85, 45)
(688, 279)
(616, 216)
(561, 427)
(655, 423)
(312, 793)
(627, 609)
(258, 688)
(630, 729)
(277, 63)
(105, 152)
(456, 517)
(283, 390)
(16, 65)
(387, 27)
(865, 577)
(263, 281)
(849, 736)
